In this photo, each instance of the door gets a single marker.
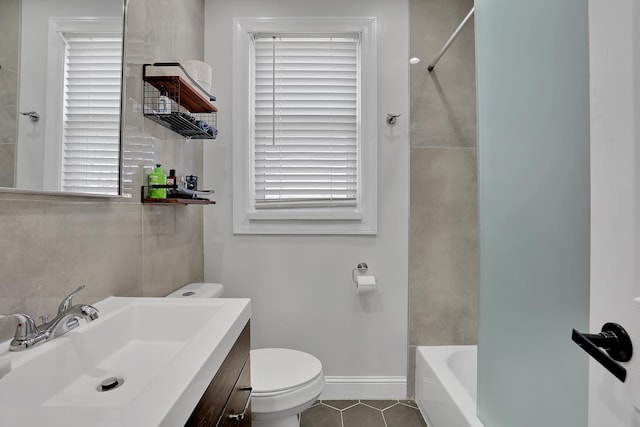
(532, 65)
(559, 208)
(615, 212)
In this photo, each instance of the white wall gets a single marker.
(614, 199)
(301, 287)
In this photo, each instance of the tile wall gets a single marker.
(52, 244)
(442, 242)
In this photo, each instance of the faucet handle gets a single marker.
(26, 326)
(67, 301)
(90, 311)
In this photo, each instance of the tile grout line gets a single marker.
(384, 419)
(378, 409)
(359, 402)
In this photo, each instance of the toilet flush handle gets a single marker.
(239, 417)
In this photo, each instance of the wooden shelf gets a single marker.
(171, 200)
(180, 87)
(181, 92)
(176, 201)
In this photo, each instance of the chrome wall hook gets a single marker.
(34, 116)
(392, 118)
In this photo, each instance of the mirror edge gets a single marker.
(119, 196)
(123, 85)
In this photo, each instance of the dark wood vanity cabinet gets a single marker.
(227, 400)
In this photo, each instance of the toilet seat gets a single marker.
(280, 370)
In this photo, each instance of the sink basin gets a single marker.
(162, 351)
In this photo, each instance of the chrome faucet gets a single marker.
(29, 335)
(68, 320)
(67, 301)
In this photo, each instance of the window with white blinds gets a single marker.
(91, 113)
(305, 128)
(305, 120)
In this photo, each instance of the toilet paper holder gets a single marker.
(361, 268)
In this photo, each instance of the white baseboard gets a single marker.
(372, 388)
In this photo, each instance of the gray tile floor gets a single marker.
(363, 413)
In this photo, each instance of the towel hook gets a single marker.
(392, 118)
(34, 116)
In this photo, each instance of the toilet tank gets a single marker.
(198, 290)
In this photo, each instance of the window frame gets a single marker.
(359, 220)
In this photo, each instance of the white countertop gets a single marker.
(53, 384)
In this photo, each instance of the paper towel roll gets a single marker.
(200, 72)
(365, 284)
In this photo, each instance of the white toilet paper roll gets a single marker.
(365, 284)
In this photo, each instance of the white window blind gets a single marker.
(306, 117)
(91, 111)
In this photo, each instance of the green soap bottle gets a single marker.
(157, 177)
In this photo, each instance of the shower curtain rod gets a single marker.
(451, 39)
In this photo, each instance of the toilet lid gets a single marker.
(281, 369)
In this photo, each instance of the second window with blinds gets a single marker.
(308, 134)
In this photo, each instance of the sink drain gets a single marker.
(110, 383)
(188, 294)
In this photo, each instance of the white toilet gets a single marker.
(285, 382)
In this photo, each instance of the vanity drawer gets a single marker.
(237, 413)
(234, 373)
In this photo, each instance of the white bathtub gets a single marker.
(446, 385)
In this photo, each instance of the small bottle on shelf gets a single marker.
(157, 177)
(171, 178)
(164, 103)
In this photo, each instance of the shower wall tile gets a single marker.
(443, 109)
(411, 371)
(442, 242)
(442, 246)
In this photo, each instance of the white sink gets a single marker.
(165, 350)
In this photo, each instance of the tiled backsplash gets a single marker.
(53, 244)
